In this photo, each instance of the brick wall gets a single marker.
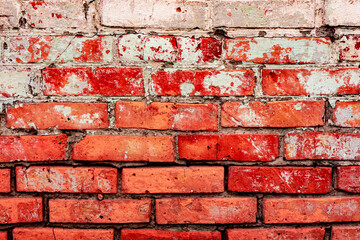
(179, 120)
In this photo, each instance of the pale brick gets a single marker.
(14, 83)
(342, 12)
(9, 13)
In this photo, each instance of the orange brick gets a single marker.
(345, 233)
(58, 115)
(33, 148)
(67, 179)
(5, 184)
(205, 210)
(125, 148)
(273, 114)
(198, 147)
(348, 178)
(173, 180)
(146, 234)
(94, 211)
(62, 234)
(21, 210)
(163, 116)
(347, 114)
(276, 233)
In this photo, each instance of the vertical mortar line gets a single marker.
(258, 81)
(333, 178)
(117, 233)
(319, 14)
(209, 15)
(327, 235)
(259, 212)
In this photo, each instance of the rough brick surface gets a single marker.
(348, 178)
(10, 13)
(276, 233)
(315, 145)
(66, 179)
(62, 234)
(21, 210)
(203, 83)
(94, 211)
(58, 115)
(205, 210)
(279, 50)
(173, 180)
(264, 13)
(33, 148)
(163, 116)
(347, 114)
(349, 47)
(14, 83)
(303, 180)
(342, 12)
(344, 232)
(5, 178)
(310, 81)
(125, 148)
(3, 235)
(311, 210)
(273, 114)
(84, 81)
(145, 234)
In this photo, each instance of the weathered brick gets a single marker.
(311, 81)
(125, 148)
(49, 49)
(173, 180)
(264, 13)
(279, 50)
(58, 115)
(276, 233)
(184, 50)
(57, 14)
(203, 83)
(145, 234)
(205, 210)
(198, 147)
(317, 145)
(158, 115)
(345, 233)
(5, 180)
(347, 114)
(311, 210)
(67, 179)
(234, 147)
(21, 210)
(348, 178)
(33, 148)
(94, 211)
(248, 147)
(85, 81)
(14, 83)
(153, 14)
(10, 13)
(62, 234)
(304, 180)
(273, 114)
(349, 48)
(3, 236)
(342, 12)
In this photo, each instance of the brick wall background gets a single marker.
(170, 119)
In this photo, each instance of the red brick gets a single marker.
(311, 210)
(146, 234)
(49, 49)
(85, 81)
(304, 180)
(348, 178)
(279, 50)
(21, 210)
(248, 147)
(5, 184)
(58, 115)
(347, 114)
(317, 145)
(173, 180)
(62, 234)
(205, 210)
(138, 48)
(203, 83)
(3, 236)
(345, 233)
(94, 211)
(66, 179)
(349, 47)
(33, 148)
(311, 81)
(273, 114)
(125, 148)
(276, 233)
(163, 116)
(198, 147)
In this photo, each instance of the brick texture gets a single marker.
(179, 120)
